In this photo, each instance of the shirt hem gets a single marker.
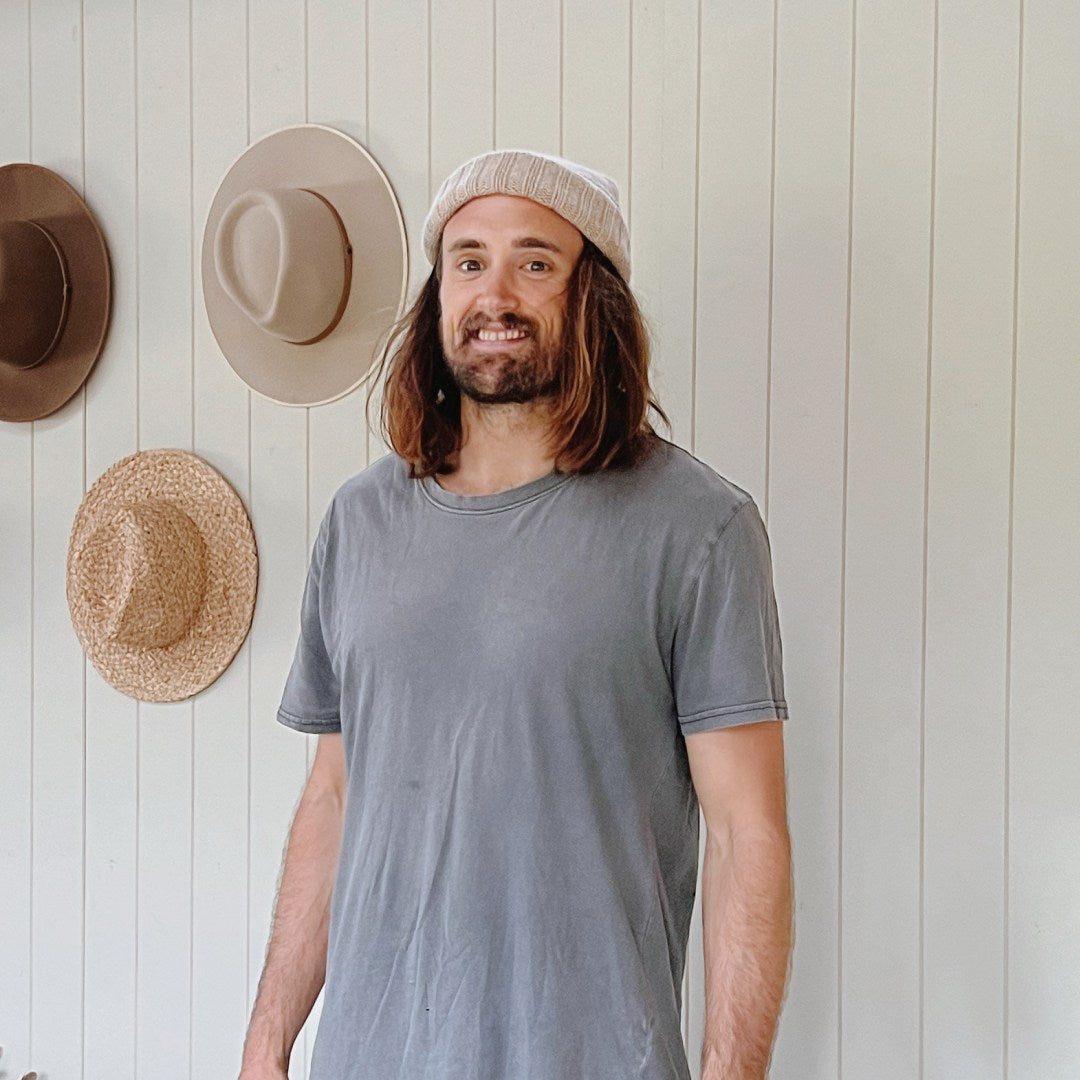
(309, 725)
(731, 715)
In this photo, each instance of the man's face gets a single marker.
(506, 264)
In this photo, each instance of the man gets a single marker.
(533, 640)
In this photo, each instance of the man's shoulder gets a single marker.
(370, 492)
(673, 482)
(385, 473)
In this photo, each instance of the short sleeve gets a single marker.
(311, 700)
(726, 657)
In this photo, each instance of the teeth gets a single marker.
(501, 335)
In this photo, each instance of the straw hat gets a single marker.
(54, 292)
(161, 575)
(304, 264)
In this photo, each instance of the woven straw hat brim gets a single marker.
(180, 670)
(31, 192)
(325, 161)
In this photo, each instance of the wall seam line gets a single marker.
(772, 263)
(29, 86)
(367, 144)
(194, 398)
(841, 690)
(138, 441)
(630, 114)
(926, 548)
(82, 396)
(1007, 802)
(250, 488)
(696, 252)
(428, 58)
(562, 72)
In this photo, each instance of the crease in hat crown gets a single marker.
(587, 199)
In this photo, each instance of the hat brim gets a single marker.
(34, 193)
(337, 167)
(190, 664)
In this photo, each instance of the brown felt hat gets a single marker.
(161, 575)
(304, 264)
(54, 292)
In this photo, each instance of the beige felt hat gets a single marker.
(304, 264)
(54, 291)
(161, 575)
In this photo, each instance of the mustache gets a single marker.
(511, 321)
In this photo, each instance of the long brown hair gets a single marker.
(600, 413)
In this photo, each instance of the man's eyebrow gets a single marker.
(536, 242)
(528, 242)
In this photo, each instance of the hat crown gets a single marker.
(142, 574)
(589, 200)
(283, 257)
(34, 294)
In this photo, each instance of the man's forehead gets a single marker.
(510, 216)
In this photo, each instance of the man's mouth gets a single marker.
(500, 335)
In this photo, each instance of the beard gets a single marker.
(520, 375)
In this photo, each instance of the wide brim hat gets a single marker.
(304, 264)
(162, 572)
(55, 291)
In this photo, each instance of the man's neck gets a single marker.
(503, 447)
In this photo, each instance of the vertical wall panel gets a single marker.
(806, 506)
(56, 998)
(337, 66)
(462, 85)
(15, 73)
(276, 66)
(595, 81)
(111, 434)
(398, 119)
(398, 72)
(527, 83)
(894, 78)
(733, 249)
(968, 539)
(16, 596)
(220, 775)
(1043, 828)
(163, 980)
(662, 192)
(164, 168)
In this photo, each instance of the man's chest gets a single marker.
(485, 602)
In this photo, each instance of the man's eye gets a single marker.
(538, 265)
(469, 265)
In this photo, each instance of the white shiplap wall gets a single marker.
(855, 231)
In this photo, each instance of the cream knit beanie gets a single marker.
(588, 200)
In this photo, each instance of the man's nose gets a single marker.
(497, 293)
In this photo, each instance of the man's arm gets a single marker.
(746, 894)
(296, 956)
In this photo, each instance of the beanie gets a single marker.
(587, 199)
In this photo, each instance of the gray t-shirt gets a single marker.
(513, 675)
